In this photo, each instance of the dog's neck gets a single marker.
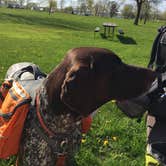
(57, 116)
(59, 122)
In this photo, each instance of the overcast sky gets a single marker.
(161, 6)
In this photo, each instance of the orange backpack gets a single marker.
(14, 106)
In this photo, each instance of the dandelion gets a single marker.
(83, 140)
(114, 138)
(105, 143)
(113, 101)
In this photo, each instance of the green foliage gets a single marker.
(31, 5)
(114, 140)
(128, 11)
(163, 16)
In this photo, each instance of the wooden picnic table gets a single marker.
(107, 26)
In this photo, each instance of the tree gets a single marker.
(102, 7)
(128, 11)
(52, 5)
(83, 8)
(21, 2)
(62, 3)
(113, 8)
(145, 12)
(90, 4)
(96, 9)
(139, 5)
(163, 15)
(154, 13)
(6, 2)
(69, 9)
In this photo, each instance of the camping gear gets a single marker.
(15, 103)
(12, 116)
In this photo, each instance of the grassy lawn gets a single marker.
(114, 140)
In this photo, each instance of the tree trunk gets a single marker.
(96, 11)
(145, 19)
(50, 8)
(139, 5)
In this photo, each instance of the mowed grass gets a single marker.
(114, 139)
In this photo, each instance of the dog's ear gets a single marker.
(77, 89)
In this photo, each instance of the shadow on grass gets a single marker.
(126, 39)
(44, 21)
(103, 36)
(111, 37)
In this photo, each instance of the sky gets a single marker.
(161, 6)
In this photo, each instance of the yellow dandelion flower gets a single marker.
(113, 101)
(83, 140)
(105, 143)
(114, 138)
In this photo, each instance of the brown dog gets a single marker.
(85, 80)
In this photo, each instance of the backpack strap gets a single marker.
(15, 98)
(6, 85)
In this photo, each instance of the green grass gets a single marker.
(43, 39)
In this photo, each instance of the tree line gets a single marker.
(141, 10)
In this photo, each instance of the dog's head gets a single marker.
(95, 76)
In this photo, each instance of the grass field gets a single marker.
(114, 140)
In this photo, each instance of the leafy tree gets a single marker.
(62, 3)
(21, 2)
(113, 8)
(155, 14)
(83, 8)
(31, 5)
(139, 6)
(102, 7)
(96, 9)
(6, 2)
(128, 11)
(90, 4)
(145, 12)
(163, 15)
(52, 5)
(69, 9)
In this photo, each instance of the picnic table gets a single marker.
(107, 26)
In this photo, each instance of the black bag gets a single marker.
(158, 54)
(135, 107)
(157, 98)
